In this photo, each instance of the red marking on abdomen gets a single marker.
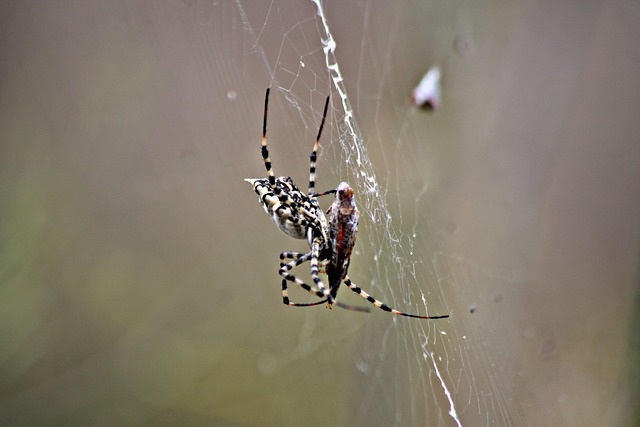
(340, 237)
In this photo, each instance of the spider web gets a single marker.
(139, 275)
(411, 373)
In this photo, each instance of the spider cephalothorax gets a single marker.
(331, 241)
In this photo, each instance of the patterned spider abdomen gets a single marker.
(294, 213)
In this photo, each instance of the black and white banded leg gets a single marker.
(382, 305)
(320, 291)
(328, 293)
(298, 258)
(314, 153)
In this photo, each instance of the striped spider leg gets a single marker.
(298, 258)
(320, 251)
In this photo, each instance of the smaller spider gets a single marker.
(299, 215)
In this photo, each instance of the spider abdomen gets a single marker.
(291, 210)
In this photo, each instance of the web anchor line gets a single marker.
(367, 177)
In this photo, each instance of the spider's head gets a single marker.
(344, 200)
(344, 191)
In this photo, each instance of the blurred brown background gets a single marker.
(138, 281)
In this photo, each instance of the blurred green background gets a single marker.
(138, 281)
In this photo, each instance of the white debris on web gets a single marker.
(428, 92)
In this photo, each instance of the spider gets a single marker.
(295, 213)
(299, 215)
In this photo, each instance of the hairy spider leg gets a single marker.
(314, 153)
